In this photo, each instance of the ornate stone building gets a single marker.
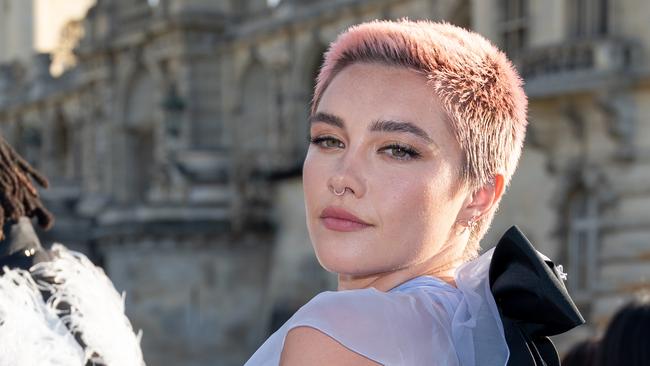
(175, 139)
(582, 191)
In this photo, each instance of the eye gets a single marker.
(327, 142)
(400, 152)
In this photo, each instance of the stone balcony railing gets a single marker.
(576, 65)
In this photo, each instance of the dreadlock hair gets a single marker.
(18, 197)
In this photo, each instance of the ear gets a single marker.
(483, 200)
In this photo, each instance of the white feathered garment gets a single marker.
(82, 301)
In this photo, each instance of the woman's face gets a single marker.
(379, 138)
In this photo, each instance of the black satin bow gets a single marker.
(532, 300)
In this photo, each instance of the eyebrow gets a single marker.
(377, 126)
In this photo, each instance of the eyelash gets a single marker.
(412, 153)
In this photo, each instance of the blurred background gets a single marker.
(173, 133)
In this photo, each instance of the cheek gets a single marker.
(406, 204)
(417, 210)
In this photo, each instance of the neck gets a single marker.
(442, 266)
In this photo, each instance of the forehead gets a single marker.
(365, 92)
(379, 79)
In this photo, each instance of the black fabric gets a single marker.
(532, 301)
(16, 260)
(21, 248)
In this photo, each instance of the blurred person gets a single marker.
(416, 129)
(627, 338)
(19, 201)
(581, 354)
(56, 307)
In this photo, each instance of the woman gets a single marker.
(416, 129)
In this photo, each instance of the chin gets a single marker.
(350, 263)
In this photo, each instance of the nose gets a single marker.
(348, 176)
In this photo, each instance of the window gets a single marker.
(513, 26)
(587, 18)
(583, 243)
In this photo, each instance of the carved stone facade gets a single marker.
(175, 147)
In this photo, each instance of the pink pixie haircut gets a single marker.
(475, 84)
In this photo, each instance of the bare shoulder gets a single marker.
(309, 346)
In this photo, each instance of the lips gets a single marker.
(338, 219)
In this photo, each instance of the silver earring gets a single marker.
(338, 193)
(472, 222)
(469, 224)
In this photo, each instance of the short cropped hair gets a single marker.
(477, 86)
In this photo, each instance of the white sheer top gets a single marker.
(423, 321)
